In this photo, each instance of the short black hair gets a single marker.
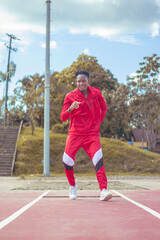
(82, 72)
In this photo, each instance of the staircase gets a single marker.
(8, 139)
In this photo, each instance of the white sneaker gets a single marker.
(105, 195)
(73, 192)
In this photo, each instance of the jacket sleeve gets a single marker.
(64, 114)
(103, 106)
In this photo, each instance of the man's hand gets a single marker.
(74, 105)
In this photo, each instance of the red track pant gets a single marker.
(92, 146)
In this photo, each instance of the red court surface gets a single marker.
(54, 216)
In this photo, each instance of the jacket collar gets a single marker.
(93, 91)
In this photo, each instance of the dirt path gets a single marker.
(84, 183)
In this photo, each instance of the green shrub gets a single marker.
(60, 128)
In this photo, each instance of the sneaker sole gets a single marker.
(106, 198)
(73, 198)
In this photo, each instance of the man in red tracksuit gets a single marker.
(86, 109)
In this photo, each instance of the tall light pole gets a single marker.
(46, 171)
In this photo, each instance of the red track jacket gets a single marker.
(87, 118)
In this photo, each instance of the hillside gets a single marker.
(119, 157)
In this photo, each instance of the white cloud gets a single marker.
(116, 20)
(77, 31)
(91, 1)
(86, 51)
(20, 19)
(2, 45)
(158, 3)
(104, 32)
(155, 29)
(110, 34)
(22, 44)
(1, 58)
(124, 16)
(20, 28)
(53, 45)
(2, 48)
(6, 18)
(133, 75)
(43, 45)
(22, 49)
(102, 18)
(10, 23)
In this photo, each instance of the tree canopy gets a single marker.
(144, 93)
(136, 104)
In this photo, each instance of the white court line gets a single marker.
(156, 214)
(20, 211)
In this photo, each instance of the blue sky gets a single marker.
(119, 33)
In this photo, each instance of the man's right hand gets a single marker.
(74, 105)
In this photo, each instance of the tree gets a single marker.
(2, 77)
(65, 81)
(145, 98)
(116, 124)
(99, 77)
(2, 101)
(31, 97)
(58, 90)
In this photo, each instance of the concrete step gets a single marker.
(8, 138)
(6, 154)
(5, 173)
(6, 158)
(3, 164)
(2, 137)
(7, 148)
(5, 168)
(3, 129)
(10, 152)
(8, 166)
(5, 133)
(10, 141)
(8, 131)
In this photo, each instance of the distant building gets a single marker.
(139, 139)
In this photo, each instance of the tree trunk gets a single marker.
(151, 140)
(32, 123)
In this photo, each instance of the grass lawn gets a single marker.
(119, 157)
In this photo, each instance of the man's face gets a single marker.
(82, 82)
